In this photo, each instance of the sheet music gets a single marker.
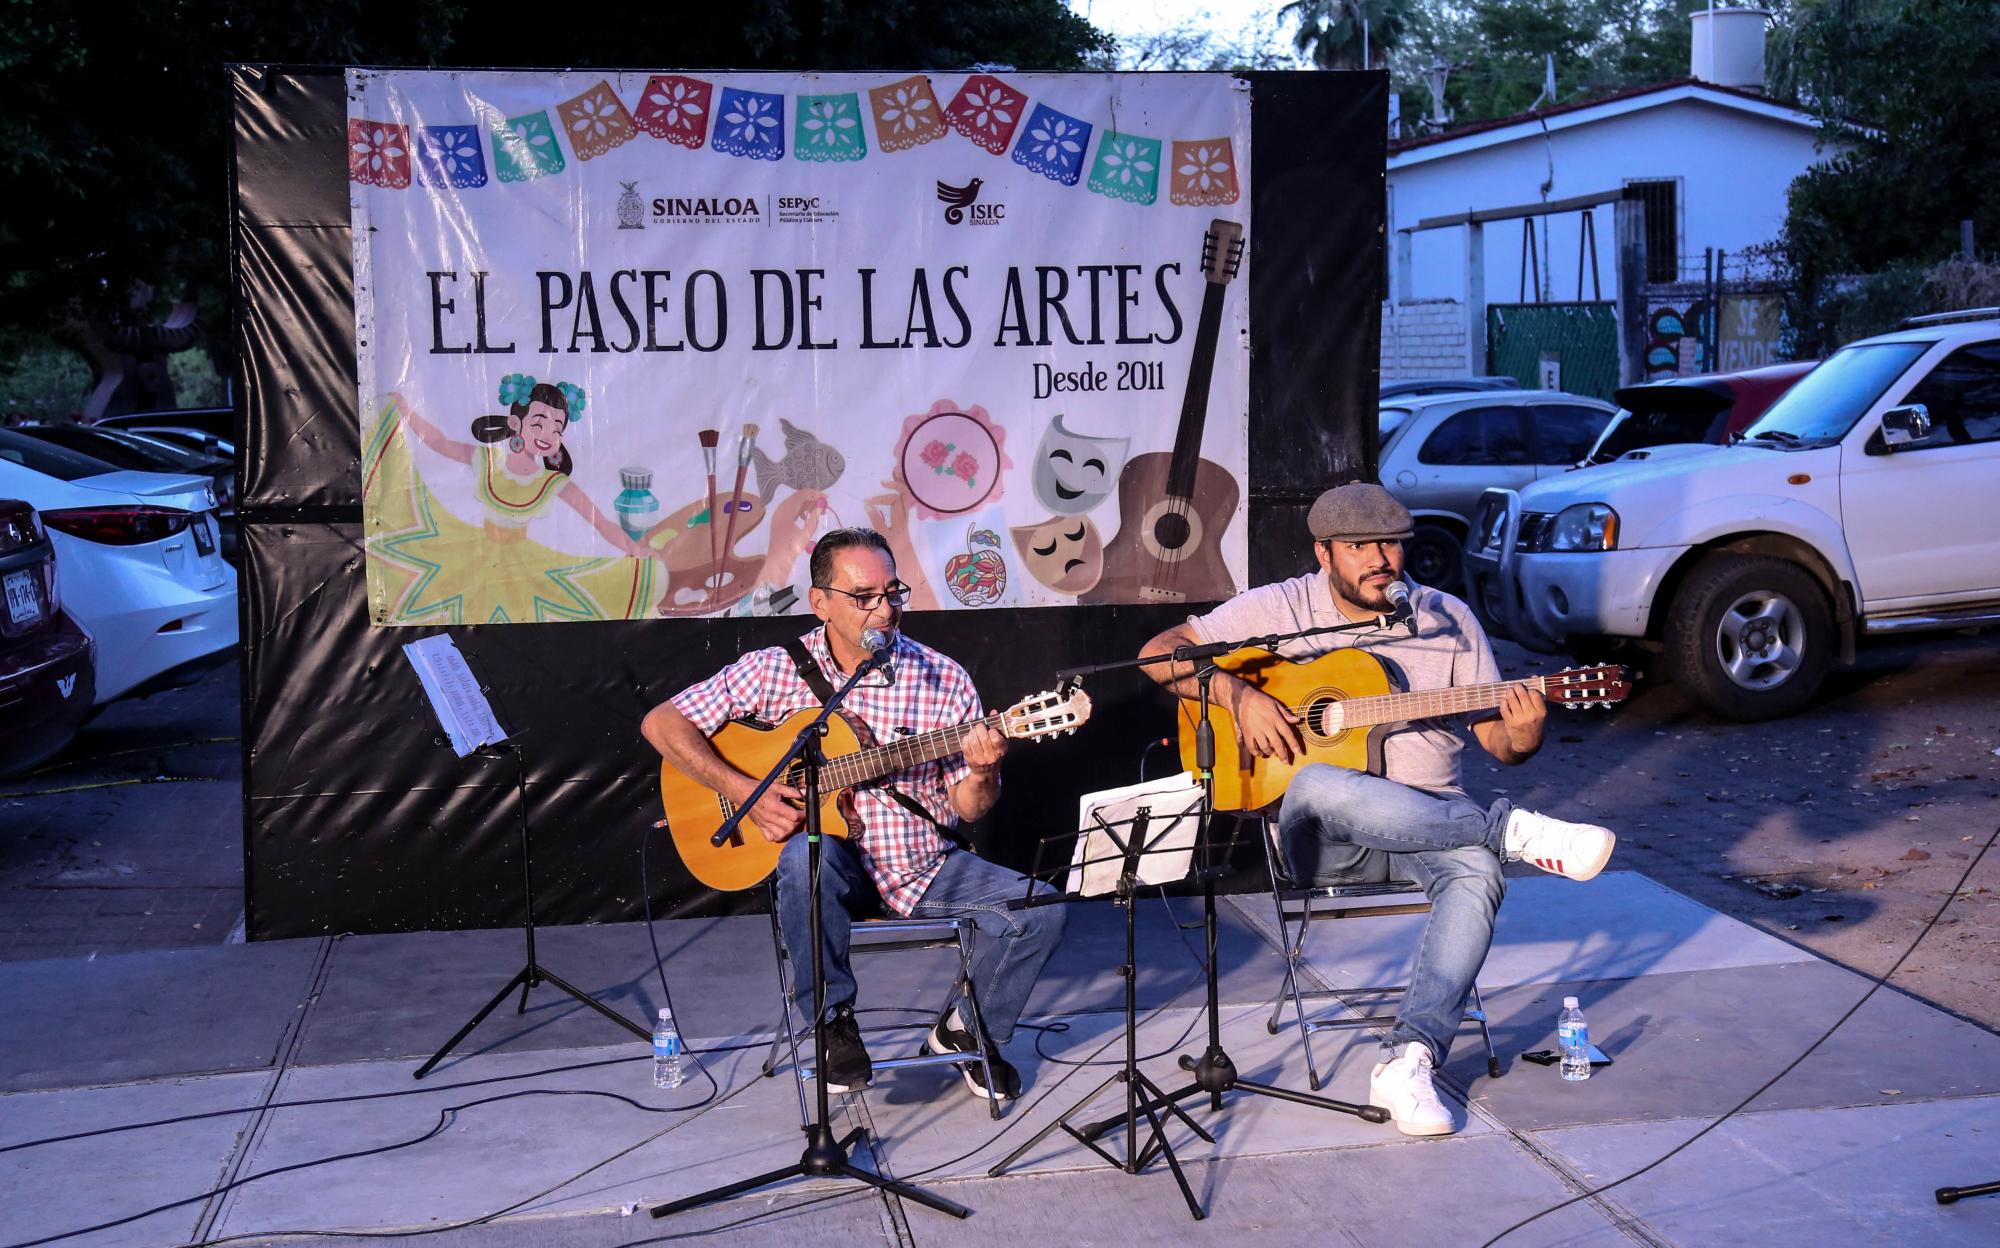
(1174, 805)
(453, 690)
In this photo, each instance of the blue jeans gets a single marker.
(1344, 827)
(1008, 946)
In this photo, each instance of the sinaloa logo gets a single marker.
(705, 208)
(961, 204)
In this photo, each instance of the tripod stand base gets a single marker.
(1214, 1074)
(824, 1157)
(1138, 1156)
(525, 978)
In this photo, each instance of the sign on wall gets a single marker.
(628, 344)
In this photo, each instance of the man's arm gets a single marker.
(777, 815)
(1517, 734)
(1267, 727)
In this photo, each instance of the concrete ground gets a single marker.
(263, 1094)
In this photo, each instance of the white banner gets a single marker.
(628, 344)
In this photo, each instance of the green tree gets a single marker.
(1347, 34)
(1498, 51)
(117, 134)
(1907, 93)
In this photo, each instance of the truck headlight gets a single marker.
(1585, 526)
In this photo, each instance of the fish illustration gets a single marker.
(809, 464)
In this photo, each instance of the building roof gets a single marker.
(1483, 134)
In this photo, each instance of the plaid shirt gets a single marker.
(901, 852)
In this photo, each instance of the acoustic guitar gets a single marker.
(1344, 699)
(1173, 509)
(695, 812)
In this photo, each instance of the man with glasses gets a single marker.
(1414, 822)
(904, 854)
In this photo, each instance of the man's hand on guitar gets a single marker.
(780, 813)
(1268, 726)
(1523, 715)
(983, 749)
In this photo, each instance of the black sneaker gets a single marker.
(945, 1038)
(845, 1065)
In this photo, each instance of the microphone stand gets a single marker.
(1214, 1073)
(824, 1156)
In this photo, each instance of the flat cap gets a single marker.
(1359, 511)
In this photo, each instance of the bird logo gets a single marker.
(956, 198)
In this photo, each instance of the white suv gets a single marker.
(1865, 501)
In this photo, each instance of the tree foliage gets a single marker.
(118, 116)
(1497, 50)
(1908, 91)
(1347, 34)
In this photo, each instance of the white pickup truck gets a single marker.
(1864, 501)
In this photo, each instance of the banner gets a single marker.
(628, 344)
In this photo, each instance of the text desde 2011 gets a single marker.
(1125, 375)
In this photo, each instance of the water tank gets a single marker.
(1728, 47)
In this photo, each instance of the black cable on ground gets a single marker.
(1790, 1066)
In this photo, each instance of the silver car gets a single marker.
(1439, 452)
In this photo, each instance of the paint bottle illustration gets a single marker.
(636, 505)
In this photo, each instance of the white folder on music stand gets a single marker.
(1174, 807)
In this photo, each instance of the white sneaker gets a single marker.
(1577, 850)
(1403, 1086)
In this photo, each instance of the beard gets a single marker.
(1370, 597)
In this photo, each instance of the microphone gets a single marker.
(1402, 608)
(881, 647)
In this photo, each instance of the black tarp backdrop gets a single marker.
(357, 816)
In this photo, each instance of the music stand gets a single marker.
(823, 1155)
(1128, 839)
(460, 703)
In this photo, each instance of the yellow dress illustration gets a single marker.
(427, 566)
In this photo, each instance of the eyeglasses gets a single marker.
(895, 595)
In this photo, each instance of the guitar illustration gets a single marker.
(1341, 698)
(1173, 508)
(695, 812)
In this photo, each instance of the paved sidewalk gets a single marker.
(278, 1056)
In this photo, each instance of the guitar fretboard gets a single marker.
(1392, 708)
(875, 762)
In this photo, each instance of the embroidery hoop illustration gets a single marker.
(949, 459)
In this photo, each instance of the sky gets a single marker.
(1229, 19)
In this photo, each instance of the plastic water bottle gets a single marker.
(1573, 1035)
(667, 1072)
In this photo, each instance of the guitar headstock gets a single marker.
(1047, 714)
(1575, 687)
(1222, 250)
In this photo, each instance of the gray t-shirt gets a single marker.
(1450, 649)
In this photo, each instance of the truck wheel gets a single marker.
(1432, 556)
(1750, 637)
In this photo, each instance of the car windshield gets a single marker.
(1632, 431)
(156, 451)
(1387, 421)
(1826, 402)
(49, 459)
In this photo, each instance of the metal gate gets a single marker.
(1555, 346)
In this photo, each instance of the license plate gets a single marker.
(204, 537)
(24, 597)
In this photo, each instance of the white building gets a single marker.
(1712, 162)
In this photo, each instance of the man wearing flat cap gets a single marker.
(1414, 822)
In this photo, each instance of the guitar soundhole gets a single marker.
(1315, 719)
(1172, 530)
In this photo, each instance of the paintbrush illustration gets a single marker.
(746, 447)
(709, 438)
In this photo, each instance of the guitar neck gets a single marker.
(1394, 708)
(862, 766)
(1194, 403)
